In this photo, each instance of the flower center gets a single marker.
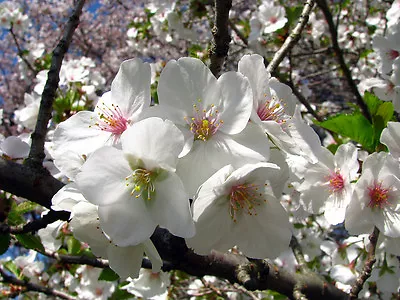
(142, 182)
(111, 119)
(378, 195)
(244, 197)
(336, 182)
(272, 110)
(273, 19)
(393, 54)
(204, 123)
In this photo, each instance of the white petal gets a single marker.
(14, 147)
(237, 99)
(391, 138)
(358, 217)
(152, 253)
(252, 66)
(170, 208)
(102, 181)
(67, 197)
(127, 222)
(85, 226)
(182, 83)
(125, 261)
(130, 88)
(158, 143)
(48, 235)
(213, 223)
(271, 224)
(79, 134)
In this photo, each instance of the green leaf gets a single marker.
(108, 275)
(30, 241)
(120, 295)
(4, 242)
(372, 102)
(25, 207)
(354, 126)
(12, 267)
(293, 13)
(381, 113)
(73, 245)
(14, 217)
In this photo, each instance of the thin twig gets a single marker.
(339, 54)
(222, 38)
(293, 38)
(298, 254)
(238, 32)
(36, 154)
(21, 53)
(80, 260)
(28, 286)
(301, 98)
(366, 272)
(35, 225)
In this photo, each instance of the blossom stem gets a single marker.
(339, 55)
(28, 286)
(293, 38)
(366, 272)
(36, 154)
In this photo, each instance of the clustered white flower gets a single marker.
(237, 146)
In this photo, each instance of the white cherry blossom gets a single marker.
(213, 116)
(139, 189)
(238, 208)
(375, 201)
(118, 109)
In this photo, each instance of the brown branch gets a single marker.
(238, 32)
(37, 224)
(28, 286)
(298, 254)
(23, 181)
(222, 38)
(252, 274)
(367, 270)
(80, 260)
(300, 97)
(293, 38)
(339, 55)
(36, 154)
(21, 53)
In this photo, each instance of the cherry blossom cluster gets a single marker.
(134, 167)
(228, 163)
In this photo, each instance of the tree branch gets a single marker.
(339, 54)
(23, 181)
(35, 225)
(300, 97)
(253, 274)
(28, 286)
(21, 53)
(293, 38)
(366, 272)
(222, 38)
(36, 154)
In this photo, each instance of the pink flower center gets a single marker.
(111, 119)
(204, 123)
(273, 19)
(393, 54)
(272, 110)
(336, 182)
(378, 195)
(244, 197)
